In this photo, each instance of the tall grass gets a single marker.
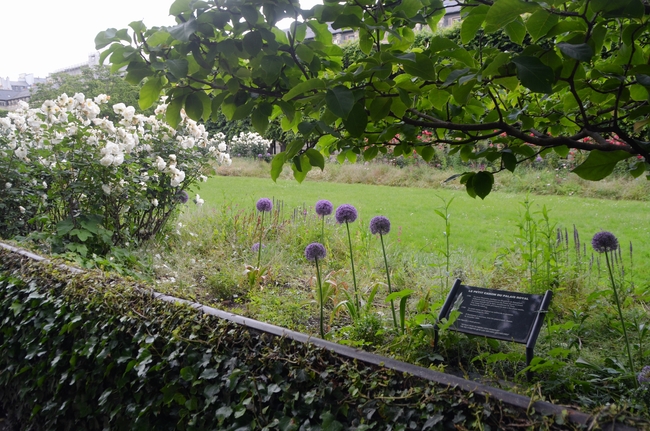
(559, 182)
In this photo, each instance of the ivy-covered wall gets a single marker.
(94, 351)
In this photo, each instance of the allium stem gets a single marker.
(390, 290)
(259, 250)
(620, 313)
(322, 230)
(320, 295)
(354, 276)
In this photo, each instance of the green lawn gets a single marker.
(479, 227)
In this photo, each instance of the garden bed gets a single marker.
(200, 360)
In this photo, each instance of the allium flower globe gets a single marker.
(256, 247)
(604, 241)
(264, 205)
(379, 225)
(346, 213)
(644, 376)
(314, 251)
(182, 197)
(324, 207)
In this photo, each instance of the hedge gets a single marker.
(94, 351)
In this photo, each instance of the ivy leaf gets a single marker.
(533, 74)
(580, 51)
(600, 164)
(340, 101)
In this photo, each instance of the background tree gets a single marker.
(579, 78)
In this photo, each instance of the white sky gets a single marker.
(43, 36)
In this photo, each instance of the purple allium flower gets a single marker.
(182, 197)
(604, 241)
(324, 207)
(264, 205)
(644, 376)
(379, 225)
(314, 251)
(256, 247)
(346, 213)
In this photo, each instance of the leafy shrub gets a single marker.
(249, 144)
(89, 184)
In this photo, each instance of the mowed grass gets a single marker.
(479, 227)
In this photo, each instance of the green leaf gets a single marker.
(187, 374)
(357, 120)
(482, 183)
(173, 113)
(178, 67)
(253, 43)
(533, 74)
(136, 72)
(580, 51)
(300, 167)
(277, 164)
(315, 158)
(193, 106)
(303, 87)
(600, 164)
(503, 12)
(340, 100)
(540, 23)
(64, 226)
(516, 31)
(370, 153)
(150, 92)
(472, 22)
(422, 67)
(179, 6)
(260, 120)
(438, 98)
(184, 31)
(380, 108)
(426, 153)
(509, 160)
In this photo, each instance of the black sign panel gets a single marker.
(494, 313)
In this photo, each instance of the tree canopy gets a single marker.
(579, 79)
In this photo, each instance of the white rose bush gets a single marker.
(86, 184)
(248, 144)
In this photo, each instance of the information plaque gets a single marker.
(499, 314)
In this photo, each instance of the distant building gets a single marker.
(13, 92)
(93, 61)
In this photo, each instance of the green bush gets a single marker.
(96, 352)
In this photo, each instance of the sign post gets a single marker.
(499, 314)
